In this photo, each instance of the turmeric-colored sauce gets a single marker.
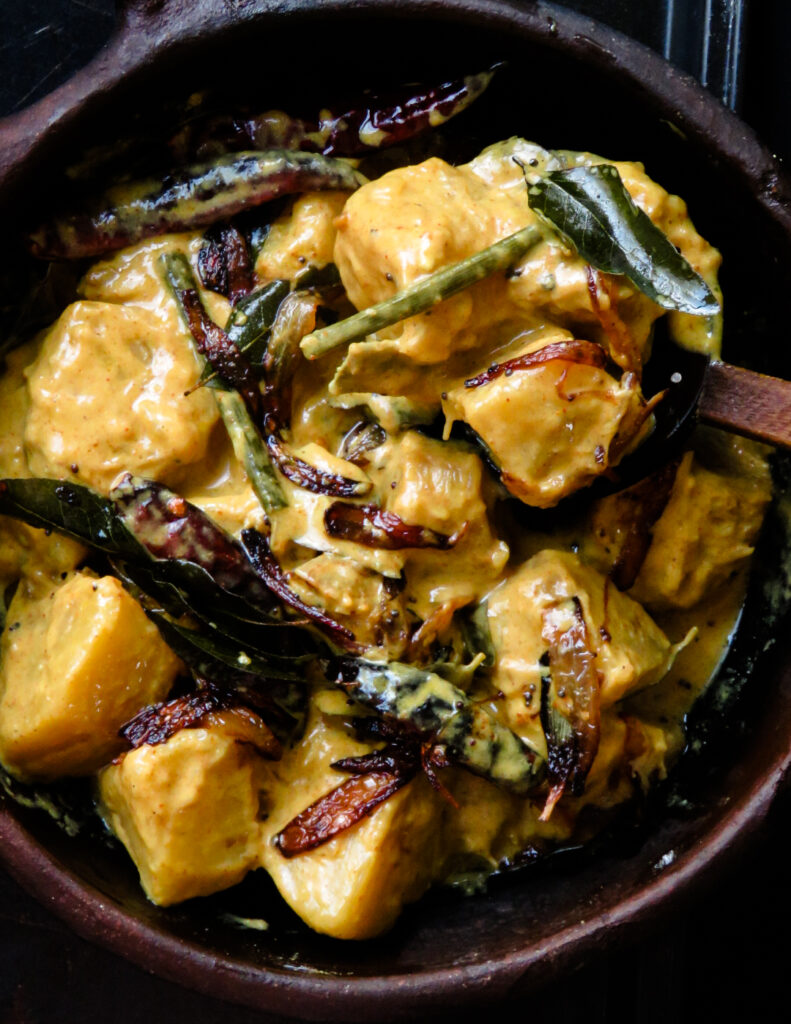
(110, 388)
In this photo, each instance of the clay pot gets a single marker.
(569, 83)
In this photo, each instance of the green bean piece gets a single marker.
(424, 294)
(247, 443)
(250, 450)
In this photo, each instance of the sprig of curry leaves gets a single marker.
(249, 635)
(592, 209)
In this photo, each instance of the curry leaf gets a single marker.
(72, 509)
(265, 681)
(202, 649)
(313, 276)
(591, 207)
(253, 316)
(424, 701)
(223, 614)
(77, 511)
(271, 682)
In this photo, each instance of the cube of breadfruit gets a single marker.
(78, 661)
(705, 532)
(187, 810)
(550, 425)
(110, 392)
(355, 885)
(631, 651)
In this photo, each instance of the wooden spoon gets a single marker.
(747, 403)
(702, 390)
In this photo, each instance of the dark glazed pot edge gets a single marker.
(145, 35)
(325, 997)
(150, 29)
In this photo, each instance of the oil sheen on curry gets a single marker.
(415, 664)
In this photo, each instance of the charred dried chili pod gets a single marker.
(168, 526)
(296, 316)
(342, 807)
(375, 528)
(385, 120)
(208, 706)
(265, 564)
(310, 478)
(643, 504)
(156, 723)
(585, 352)
(377, 776)
(194, 197)
(224, 263)
(390, 120)
(570, 701)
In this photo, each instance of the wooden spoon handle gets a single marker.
(747, 403)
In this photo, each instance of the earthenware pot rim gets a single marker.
(324, 997)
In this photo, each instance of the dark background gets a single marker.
(726, 957)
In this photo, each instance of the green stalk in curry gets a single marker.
(588, 206)
(250, 450)
(247, 443)
(424, 294)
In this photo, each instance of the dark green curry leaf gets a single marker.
(436, 708)
(181, 585)
(252, 318)
(477, 635)
(199, 648)
(266, 681)
(317, 277)
(217, 610)
(591, 207)
(72, 509)
(273, 683)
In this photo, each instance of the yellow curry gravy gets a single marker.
(103, 391)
